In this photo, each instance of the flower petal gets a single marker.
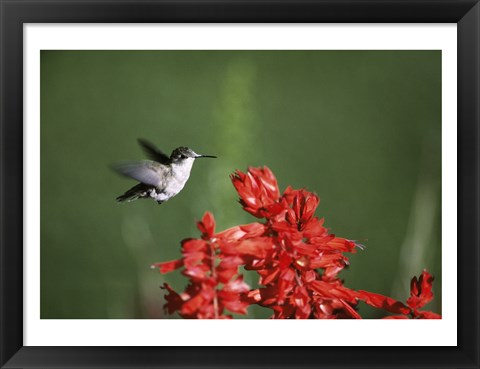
(420, 290)
(384, 302)
(207, 225)
(168, 266)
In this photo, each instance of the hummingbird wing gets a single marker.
(146, 171)
(153, 152)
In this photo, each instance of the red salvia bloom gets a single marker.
(258, 191)
(296, 258)
(293, 285)
(420, 291)
(421, 294)
(215, 285)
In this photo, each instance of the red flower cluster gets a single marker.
(300, 246)
(211, 263)
(420, 294)
(297, 261)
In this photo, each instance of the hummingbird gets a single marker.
(160, 178)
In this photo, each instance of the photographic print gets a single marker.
(211, 184)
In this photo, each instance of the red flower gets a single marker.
(421, 294)
(420, 290)
(258, 191)
(295, 256)
(296, 247)
(214, 281)
(383, 302)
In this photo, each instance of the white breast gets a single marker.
(181, 173)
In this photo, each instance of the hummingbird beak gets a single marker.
(205, 156)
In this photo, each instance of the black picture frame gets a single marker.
(14, 13)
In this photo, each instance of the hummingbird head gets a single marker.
(181, 154)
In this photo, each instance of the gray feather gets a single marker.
(146, 171)
(153, 152)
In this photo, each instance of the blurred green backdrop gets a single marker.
(362, 129)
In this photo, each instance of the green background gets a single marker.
(362, 129)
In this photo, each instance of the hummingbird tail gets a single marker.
(126, 197)
(134, 193)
